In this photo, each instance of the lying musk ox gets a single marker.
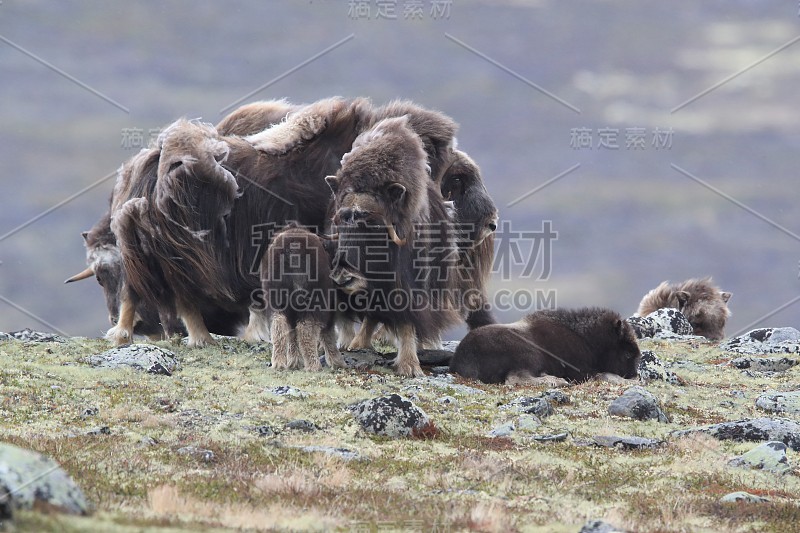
(301, 301)
(574, 345)
(393, 229)
(702, 303)
(103, 258)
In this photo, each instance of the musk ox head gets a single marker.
(476, 213)
(104, 263)
(383, 181)
(623, 355)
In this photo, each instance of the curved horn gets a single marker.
(394, 236)
(88, 273)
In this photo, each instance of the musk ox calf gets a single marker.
(301, 300)
(394, 232)
(703, 304)
(574, 345)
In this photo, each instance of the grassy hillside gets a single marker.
(119, 432)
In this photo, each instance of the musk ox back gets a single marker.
(700, 301)
(394, 230)
(571, 344)
(301, 302)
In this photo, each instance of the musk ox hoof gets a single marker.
(119, 336)
(411, 370)
(359, 344)
(201, 342)
(313, 366)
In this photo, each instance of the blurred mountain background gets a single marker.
(626, 218)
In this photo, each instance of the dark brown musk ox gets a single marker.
(703, 304)
(573, 345)
(393, 229)
(301, 300)
(196, 228)
(103, 258)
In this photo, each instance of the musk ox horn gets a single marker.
(393, 234)
(88, 273)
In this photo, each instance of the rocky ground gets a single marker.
(164, 437)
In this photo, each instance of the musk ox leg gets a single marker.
(614, 379)
(281, 340)
(363, 340)
(332, 354)
(195, 326)
(407, 363)
(523, 377)
(346, 333)
(308, 334)
(435, 344)
(257, 329)
(293, 355)
(122, 333)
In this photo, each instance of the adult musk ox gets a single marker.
(703, 304)
(103, 258)
(301, 300)
(393, 229)
(574, 345)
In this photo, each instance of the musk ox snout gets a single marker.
(349, 216)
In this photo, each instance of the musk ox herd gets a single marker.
(295, 224)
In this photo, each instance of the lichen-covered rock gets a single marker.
(637, 403)
(302, 425)
(203, 454)
(598, 526)
(742, 497)
(764, 341)
(390, 416)
(287, 390)
(506, 429)
(29, 478)
(555, 396)
(341, 453)
(28, 335)
(780, 402)
(764, 364)
(146, 357)
(752, 429)
(626, 443)
(769, 456)
(529, 405)
(643, 327)
(651, 368)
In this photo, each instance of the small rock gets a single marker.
(102, 430)
(752, 429)
(526, 404)
(199, 453)
(440, 370)
(669, 320)
(742, 497)
(265, 431)
(28, 335)
(528, 423)
(770, 456)
(450, 346)
(652, 369)
(555, 396)
(639, 404)
(503, 430)
(444, 382)
(764, 364)
(152, 359)
(598, 526)
(764, 341)
(627, 443)
(27, 477)
(780, 402)
(302, 425)
(556, 437)
(391, 416)
(447, 400)
(89, 411)
(287, 390)
(343, 453)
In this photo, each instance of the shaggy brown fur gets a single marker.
(571, 344)
(301, 300)
(393, 229)
(702, 302)
(191, 236)
(102, 252)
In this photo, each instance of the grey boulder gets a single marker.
(769, 456)
(391, 416)
(639, 404)
(146, 357)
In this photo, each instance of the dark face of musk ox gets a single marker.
(623, 355)
(475, 211)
